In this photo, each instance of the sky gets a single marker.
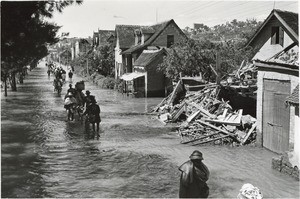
(82, 20)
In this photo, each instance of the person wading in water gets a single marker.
(194, 175)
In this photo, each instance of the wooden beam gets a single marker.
(219, 129)
(199, 138)
(249, 133)
(225, 136)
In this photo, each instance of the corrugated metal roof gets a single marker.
(293, 99)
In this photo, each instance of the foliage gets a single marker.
(100, 61)
(200, 52)
(25, 34)
(196, 56)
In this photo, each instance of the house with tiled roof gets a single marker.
(145, 54)
(276, 44)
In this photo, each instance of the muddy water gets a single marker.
(43, 155)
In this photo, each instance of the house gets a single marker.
(79, 47)
(124, 36)
(144, 56)
(277, 45)
(103, 37)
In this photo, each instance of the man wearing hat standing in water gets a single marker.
(194, 175)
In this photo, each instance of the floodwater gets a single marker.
(44, 155)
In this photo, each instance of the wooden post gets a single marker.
(87, 67)
(218, 80)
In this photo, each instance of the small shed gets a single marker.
(146, 80)
(276, 121)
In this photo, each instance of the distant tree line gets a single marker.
(25, 35)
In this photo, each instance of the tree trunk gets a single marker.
(13, 82)
(5, 87)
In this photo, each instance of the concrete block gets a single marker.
(276, 163)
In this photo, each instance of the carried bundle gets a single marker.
(80, 86)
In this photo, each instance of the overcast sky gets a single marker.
(82, 20)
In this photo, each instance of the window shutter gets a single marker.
(274, 35)
(281, 36)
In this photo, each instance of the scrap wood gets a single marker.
(219, 129)
(249, 133)
(175, 114)
(192, 116)
(203, 110)
(186, 142)
(211, 140)
(233, 119)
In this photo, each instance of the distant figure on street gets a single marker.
(194, 175)
(70, 74)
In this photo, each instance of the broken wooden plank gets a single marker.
(191, 117)
(211, 140)
(186, 142)
(179, 111)
(219, 129)
(249, 133)
(203, 110)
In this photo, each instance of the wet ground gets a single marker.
(44, 155)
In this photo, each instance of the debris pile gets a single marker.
(204, 118)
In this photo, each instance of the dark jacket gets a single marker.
(193, 180)
(93, 110)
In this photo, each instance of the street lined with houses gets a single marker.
(150, 110)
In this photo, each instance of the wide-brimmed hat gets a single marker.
(196, 155)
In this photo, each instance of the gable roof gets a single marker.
(105, 34)
(125, 33)
(158, 28)
(293, 99)
(148, 56)
(289, 20)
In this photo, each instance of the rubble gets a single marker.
(204, 118)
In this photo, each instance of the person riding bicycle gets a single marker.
(57, 84)
(70, 103)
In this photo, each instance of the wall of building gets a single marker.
(261, 75)
(155, 80)
(118, 60)
(296, 132)
(266, 50)
(172, 29)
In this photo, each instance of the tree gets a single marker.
(25, 34)
(198, 56)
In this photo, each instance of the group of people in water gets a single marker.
(85, 105)
(75, 101)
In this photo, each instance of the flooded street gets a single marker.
(44, 155)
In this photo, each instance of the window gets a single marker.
(170, 40)
(277, 36)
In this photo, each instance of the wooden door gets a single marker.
(276, 115)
